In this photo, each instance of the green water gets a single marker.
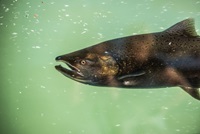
(36, 99)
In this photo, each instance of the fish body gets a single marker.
(154, 60)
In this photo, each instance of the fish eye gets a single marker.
(83, 62)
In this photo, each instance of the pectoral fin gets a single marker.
(128, 76)
(131, 79)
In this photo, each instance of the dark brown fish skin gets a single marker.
(163, 59)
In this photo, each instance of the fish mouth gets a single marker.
(71, 72)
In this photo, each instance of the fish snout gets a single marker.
(58, 58)
(65, 58)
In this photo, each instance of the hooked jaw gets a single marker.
(71, 72)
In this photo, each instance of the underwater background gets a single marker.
(37, 99)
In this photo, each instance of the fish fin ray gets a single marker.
(183, 28)
(194, 82)
(194, 92)
(176, 78)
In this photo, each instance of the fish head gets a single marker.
(88, 66)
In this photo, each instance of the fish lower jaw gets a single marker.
(72, 73)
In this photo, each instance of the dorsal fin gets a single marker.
(183, 28)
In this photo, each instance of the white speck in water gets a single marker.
(166, 108)
(94, 92)
(100, 35)
(17, 108)
(7, 9)
(20, 92)
(164, 118)
(164, 9)
(42, 114)
(117, 125)
(66, 5)
(85, 24)
(118, 106)
(42, 86)
(150, 92)
(162, 28)
(36, 47)
(14, 33)
(19, 50)
(148, 8)
(178, 130)
(1, 17)
(170, 43)
(63, 10)
(84, 30)
(53, 123)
